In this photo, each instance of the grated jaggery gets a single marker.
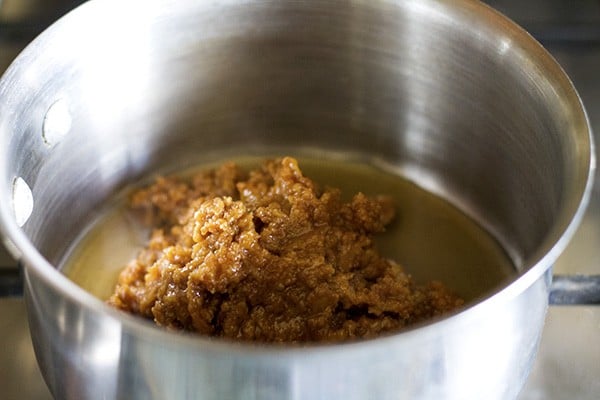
(269, 256)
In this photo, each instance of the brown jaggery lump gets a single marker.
(269, 256)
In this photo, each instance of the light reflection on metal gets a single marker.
(22, 200)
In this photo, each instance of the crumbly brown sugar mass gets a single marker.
(269, 256)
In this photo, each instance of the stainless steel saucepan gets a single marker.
(449, 93)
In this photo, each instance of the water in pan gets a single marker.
(430, 238)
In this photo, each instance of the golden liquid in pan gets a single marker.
(430, 238)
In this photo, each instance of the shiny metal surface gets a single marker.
(568, 364)
(502, 135)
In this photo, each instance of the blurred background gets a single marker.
(568, 365)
